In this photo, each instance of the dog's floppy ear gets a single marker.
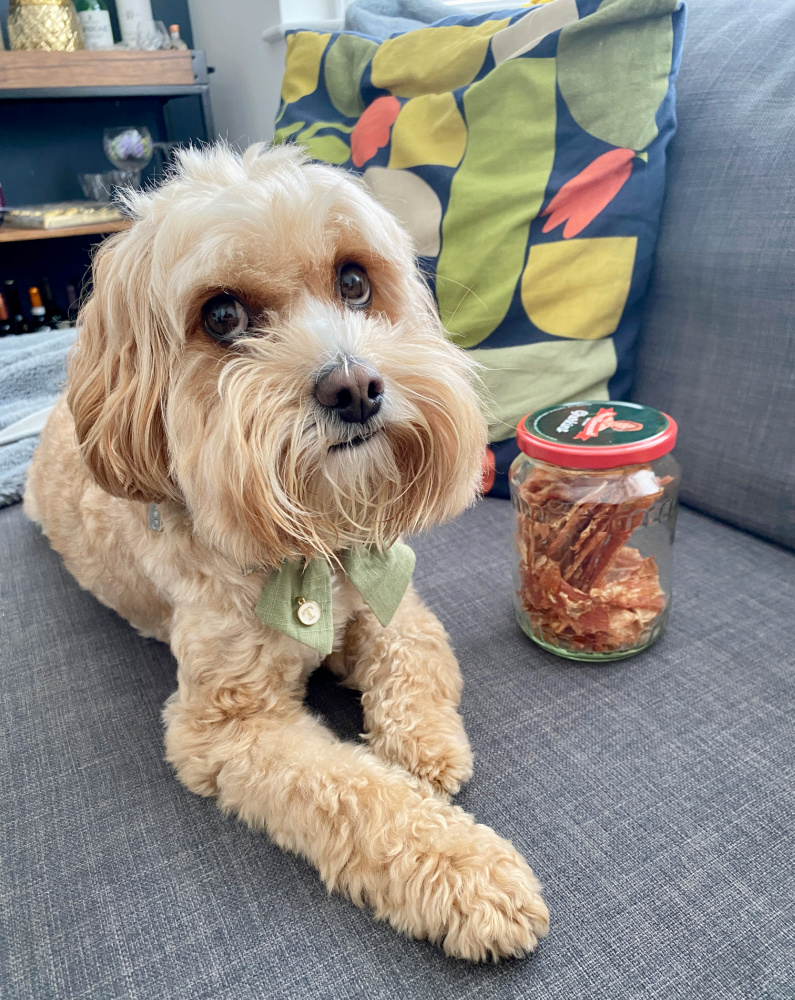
(118, 375)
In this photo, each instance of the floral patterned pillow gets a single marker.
(525, 152)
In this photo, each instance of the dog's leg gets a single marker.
(411, 688)
(236, 729)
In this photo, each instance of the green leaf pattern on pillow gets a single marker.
(513, 147)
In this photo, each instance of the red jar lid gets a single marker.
(596, 434)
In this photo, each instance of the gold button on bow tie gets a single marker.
(308, 611)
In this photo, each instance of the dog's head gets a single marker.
(260, 348)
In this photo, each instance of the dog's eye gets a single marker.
(224, 317)
(353, 286)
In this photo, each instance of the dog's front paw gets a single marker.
(471, 892)
(433, 747)
(497, 910)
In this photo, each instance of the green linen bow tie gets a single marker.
(296, 600)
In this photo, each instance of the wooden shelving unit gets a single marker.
(114, 68)
(79, 79)
(8, 234)
(37, 76)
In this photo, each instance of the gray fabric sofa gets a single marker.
(653, 797)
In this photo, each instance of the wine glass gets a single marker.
(164, 152)
(129, 148)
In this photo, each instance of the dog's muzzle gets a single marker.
(351, 389)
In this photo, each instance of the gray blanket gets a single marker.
(32, 375)
(382, 18)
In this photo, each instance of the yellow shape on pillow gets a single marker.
(578, 288)
(304, 51)
(428, 129)
(432, 60)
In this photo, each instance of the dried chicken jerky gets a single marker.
(581, 585)
(595, 492)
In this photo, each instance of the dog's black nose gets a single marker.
(352, 389)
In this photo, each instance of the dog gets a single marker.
(262, 392)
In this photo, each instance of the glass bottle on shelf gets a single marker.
(52, 311)
(133, 15)
(95, 22)
(176, 38)
(37, 311)
(72, 302)
(51, 26)
(5, 319)
(19, 323)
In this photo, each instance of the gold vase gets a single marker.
(47, 25)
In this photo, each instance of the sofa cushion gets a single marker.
(525, 152)
(718, 337)
(652, 796)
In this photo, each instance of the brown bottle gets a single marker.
(37, 311)
(5, 319)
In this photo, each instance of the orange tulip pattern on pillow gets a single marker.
(582, 198)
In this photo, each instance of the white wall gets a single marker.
(248, 72)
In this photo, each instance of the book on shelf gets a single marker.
(62, 215)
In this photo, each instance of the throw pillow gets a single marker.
(525, 152)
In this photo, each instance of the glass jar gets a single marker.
(595, 492)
